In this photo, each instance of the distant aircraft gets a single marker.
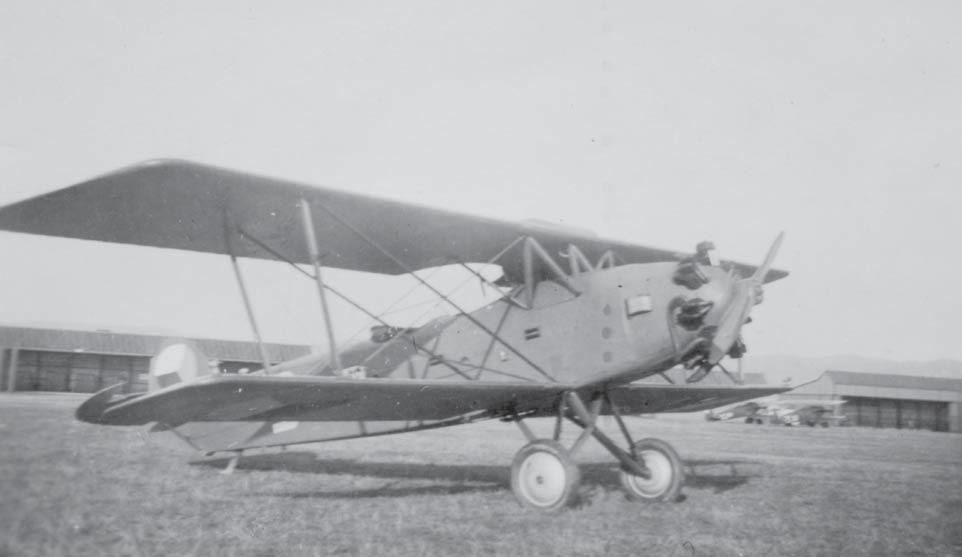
(579, 319)
(810, 413)
(748, 411)
(783, 412)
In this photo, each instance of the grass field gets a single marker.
(69, 488)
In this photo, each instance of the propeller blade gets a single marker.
(760, 273)
(730, 326)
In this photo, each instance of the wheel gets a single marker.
(667, 473)
(544, 477)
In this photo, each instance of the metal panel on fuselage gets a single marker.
(571, 338)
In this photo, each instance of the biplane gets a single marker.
(577, 321)
(751, 412)
(811, 413)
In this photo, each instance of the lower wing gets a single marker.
(234, 412)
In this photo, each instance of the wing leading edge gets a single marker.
(189, 206)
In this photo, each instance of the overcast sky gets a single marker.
(660, 123)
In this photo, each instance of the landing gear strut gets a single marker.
(545, 477)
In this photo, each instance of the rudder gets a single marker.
(177, 361)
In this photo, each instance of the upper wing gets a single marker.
(182, 205)
(314, 398)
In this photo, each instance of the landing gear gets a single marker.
(232, 463)
(544, 477)
(665, 473)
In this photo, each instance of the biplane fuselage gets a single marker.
(619, 328)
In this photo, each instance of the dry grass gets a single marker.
(73, 489)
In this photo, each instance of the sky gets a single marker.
(659, 123)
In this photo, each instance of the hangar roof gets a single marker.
(894, 381)
(107, 342)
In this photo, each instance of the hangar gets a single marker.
(34, 359)
(892, 401)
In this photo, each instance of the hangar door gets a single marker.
(897, 413)
(83, 372)
(79, 372)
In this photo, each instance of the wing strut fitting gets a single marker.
(577, 260)
(532, 248)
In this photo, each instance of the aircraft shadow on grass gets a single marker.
(716, 475)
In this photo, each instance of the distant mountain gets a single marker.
(800, 369)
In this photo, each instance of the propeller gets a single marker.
(748, 293)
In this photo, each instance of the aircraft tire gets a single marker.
(544, 477)
(668, 473)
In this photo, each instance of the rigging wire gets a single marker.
(465, 314)
(379, 318)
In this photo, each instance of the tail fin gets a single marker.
(178, 361)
